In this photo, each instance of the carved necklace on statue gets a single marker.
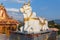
(42, 23)
(27, 19)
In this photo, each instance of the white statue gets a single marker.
(31, 22)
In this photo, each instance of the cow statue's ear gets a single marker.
(21, 10)
(25, 4)
(29, 3)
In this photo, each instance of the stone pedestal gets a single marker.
(39, 36)
(3, 37)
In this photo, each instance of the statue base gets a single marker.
(51, 35)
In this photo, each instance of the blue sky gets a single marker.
(50, 9)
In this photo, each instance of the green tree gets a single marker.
(51, 24)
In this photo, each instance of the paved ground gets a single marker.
(3, 37)
(59, 37)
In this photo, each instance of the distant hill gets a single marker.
(57, 21)
(54, 23)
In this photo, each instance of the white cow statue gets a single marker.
(32, 23)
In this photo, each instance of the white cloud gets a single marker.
(12, 9)
(18, 1)
(14, 13)
(22, 1)
(4, 0)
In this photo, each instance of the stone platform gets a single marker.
(39, 36)
(3, 37)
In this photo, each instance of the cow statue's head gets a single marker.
(26, 8)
